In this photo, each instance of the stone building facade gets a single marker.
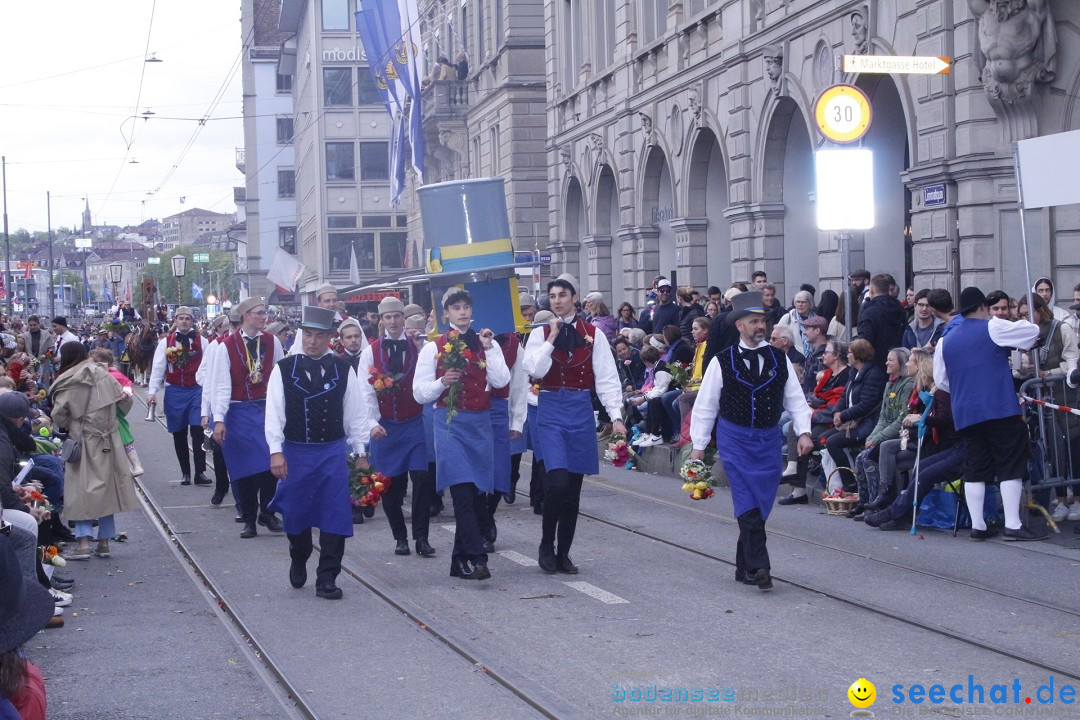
(682, 135)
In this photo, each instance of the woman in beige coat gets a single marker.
(85, 398)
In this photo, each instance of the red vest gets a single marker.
(398, 405)
(510, 354)
(184, 376)
(474, 394)
(571, 371)
(242, 387)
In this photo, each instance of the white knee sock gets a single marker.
(792, 467)
(975, 493)
(1011, 490)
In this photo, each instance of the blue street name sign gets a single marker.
(933, 196)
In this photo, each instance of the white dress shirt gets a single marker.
(220, 378)
(1004, 333)
(205, 371)
(427, 388)
(62, 340)
(608, 388)
(707, 403)
(353, 413)
(519, 393)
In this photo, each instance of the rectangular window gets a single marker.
(375, 161)
(495, 147)
(367, 92)
(392, 250)
(340, 161)
(500, 32)
(571, 42)
(375, 221)
(341, 221)
(337, 86)
(284, 130)
(284, 84)
(287, 238)
(654, 18)
(403, 221)
(335, 14)
(286, 183)
(361, 242)
(605, 34)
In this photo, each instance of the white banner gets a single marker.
(285, 270)
(1049, 173)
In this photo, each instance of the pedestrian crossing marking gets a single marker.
(518, 558)
(592, 591)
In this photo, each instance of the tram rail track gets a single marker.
(275, 677)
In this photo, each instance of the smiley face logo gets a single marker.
(862, 693)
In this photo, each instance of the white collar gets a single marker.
(388, 336)
(747, 347)
(570, 319)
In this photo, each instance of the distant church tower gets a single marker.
(86, 224)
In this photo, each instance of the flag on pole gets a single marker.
(354, 269)
(285, 270)
(105, 291)
(196, 292)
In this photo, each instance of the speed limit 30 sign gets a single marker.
(843, 113)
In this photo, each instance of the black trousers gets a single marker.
(180, 443)
(536, 484)
(255, 492)
(562, 496)
(468, 543)
(221, 473)
(423, 495)
(750, 552)
(331, 551)
(515, 470)
(486, 505)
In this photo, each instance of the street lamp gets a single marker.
(116, 271)
(179, 265)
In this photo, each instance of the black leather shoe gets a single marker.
(980, 535)
(424, 549)
(402, 548)
(763, 580)
(60, 583)
(744, 577)
(461, 569)
(480, 572)
(793, 500)
(201, 479)
(563, 564)
(547, 561)
(185, 479)
(217, 497)
(511, 496)
(875, 519)
(1022, 534)
(249, 530)
(455, 567)
(489, 547)
(357, 516)
(329, 591)
(297, 573)
(239, 518)
(882, 502)
(368, 511)
(855, 511)
(271, 522)
(898, 524)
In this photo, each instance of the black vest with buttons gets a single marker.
(314, 410)
(749, 401)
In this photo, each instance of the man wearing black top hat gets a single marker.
(313, 408)
(745, 389)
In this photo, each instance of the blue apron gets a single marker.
(566, 429)
(500, 430)
(403, 449)
(463, 450)
(429, 431)
(316, 492)
(245, 449)
(183, 407)
(753, 463)
(531, 431)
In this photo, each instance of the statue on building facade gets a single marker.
(859, 33)
(774, 66)
(1017, 46)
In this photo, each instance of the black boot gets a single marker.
(357, 516)
(329, 591)
(423, 548)
(547, 560)
(297, 573)
(249, 530)
(402, 547)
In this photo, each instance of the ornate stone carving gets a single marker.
(694, 104)
(597, 141)
(774, 66)
(1017, 46)
(646, 127)
(860, 33)
(567, 157)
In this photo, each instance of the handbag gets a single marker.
(71, 450)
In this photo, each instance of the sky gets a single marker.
(72, 96)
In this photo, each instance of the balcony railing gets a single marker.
(446, 99)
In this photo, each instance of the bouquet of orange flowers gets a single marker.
(366, 487)
(384, 383)
(455, 355)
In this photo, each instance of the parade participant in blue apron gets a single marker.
(238, 402)
(570, 358)
(314, 414)
(508, 410)
(745, 389)
(177, 360)
(416, 330)
(219, 328)
(464, 446)
(397, 441)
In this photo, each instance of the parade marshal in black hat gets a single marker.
(313, 407)
(745, 389)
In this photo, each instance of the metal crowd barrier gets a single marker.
(1051, 416)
